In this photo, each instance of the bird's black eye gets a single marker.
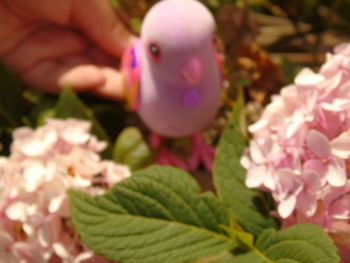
(155, 51)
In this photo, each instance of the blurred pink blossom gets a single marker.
(300, 149)
(35, 221)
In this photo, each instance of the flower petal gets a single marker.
(340, 209)
(307, 204)
(41, 142)
(255, 176)
(256, 152)
(336, 174)
(308, 77)
(312, 180)
(341, 145)
(17, 211)
(286, 207)
(61, 251)
(33, 174)
(318, 143)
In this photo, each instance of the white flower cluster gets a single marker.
(35, 221)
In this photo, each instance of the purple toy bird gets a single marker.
(173, 76)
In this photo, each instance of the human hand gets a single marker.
(50, 44)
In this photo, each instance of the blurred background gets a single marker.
(256, 35)
(264, 43)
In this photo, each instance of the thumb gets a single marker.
(96, 18)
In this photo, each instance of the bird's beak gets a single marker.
(192, 70)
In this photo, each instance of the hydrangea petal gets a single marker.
(340, 209)
(259, 125)
(312, 180)
(56, 203)
(245, 159)
(34, 173)
(269, 180)
(318, 143)
(61, 251)
(341, 145)
(83, 257)
(308, 77)
(286, 178)
(44, 236)
(286, 207)
(307, 204)
(75, 134)
(43, 140)
(5, 240)
(336, 175)
(256, 153)
(255, 176)
(17, 211)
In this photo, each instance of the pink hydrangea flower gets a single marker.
(44, 163)
(300, 149)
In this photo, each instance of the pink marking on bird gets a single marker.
(192, 70)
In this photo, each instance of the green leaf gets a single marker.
(229, 175)
(243, 239)
(136, 24)
(301, 243)
(11, 101)
(250, 257)
(298, 244)
(42, 107)
(69, 105)
(156, 215)
(131, 149)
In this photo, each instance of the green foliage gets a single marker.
(42, 107)
(157, 215)
(245, 204)
(114, 3)
(298, 244)
(11, 101)
(131, 149)
(70, 106)
(244, 240)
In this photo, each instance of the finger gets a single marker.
(76, 59)
(46, 43)
(97, 19)
(101, 58)
(113, 87)
(33, 10)
(82, 77)
(82, 73)
(51, 76)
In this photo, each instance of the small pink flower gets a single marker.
(334, 167)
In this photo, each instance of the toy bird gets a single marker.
(173, 78)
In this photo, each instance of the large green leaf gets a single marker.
(156, 215)
(246, 205)
(250, 257)
(131, 149)
(298, 244)
(69, 105)
(11, 101)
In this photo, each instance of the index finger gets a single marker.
(97, 19)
